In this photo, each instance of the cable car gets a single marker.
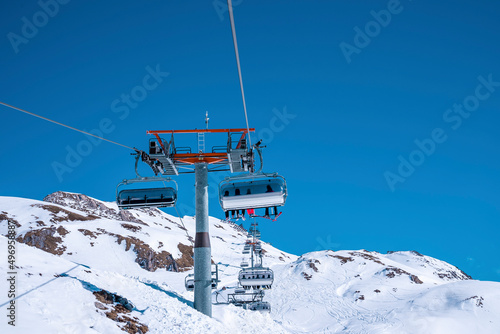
(256, 278)
(158, 197)
(252, 192)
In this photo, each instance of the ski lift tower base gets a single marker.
(202, 251)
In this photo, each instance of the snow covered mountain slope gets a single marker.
(368, 292)
(86, 267)
(59, 296)
(95, 233)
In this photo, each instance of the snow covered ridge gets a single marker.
(89, 231)
(369, 292)
(87, 267)
(394, 268)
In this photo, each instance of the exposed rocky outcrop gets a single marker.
(452, 275)
(449, 273)
(343, 259)
(312, 264)
(306, 276)
(117, 308)
(186, 261)
(61, 215)
(149, 259)
(91, 206)
(46, 239)
(367, 255)
(392, 272)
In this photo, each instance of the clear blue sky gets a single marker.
(352, 120)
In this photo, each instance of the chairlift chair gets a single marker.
(258, 306)
(256, 278)
(189, 280)
(152, 197)
(252, 191)
(215, 276)
(157, 197)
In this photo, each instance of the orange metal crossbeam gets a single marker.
(194, 155)
(199, 159)
(154, 132)
(192, 158)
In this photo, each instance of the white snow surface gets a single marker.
(318, 292)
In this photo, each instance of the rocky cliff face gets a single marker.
(59, 228)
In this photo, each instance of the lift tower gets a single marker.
(236, 156)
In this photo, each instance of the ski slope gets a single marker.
(71, 246)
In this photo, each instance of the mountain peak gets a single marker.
(91, 206)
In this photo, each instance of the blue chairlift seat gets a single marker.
(158, 197)
(147, 198)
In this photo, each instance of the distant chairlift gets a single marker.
(256, 278)
(252, 192)
(258, 306)
(189, 280)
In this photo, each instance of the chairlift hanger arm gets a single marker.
(148, 160)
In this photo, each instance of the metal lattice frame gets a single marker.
(235, 156)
